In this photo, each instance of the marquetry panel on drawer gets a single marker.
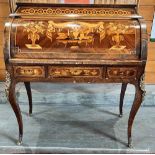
(121, 72)
(147, 12)
(29, 71)
(69, 72)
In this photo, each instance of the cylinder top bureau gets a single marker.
(75, 43)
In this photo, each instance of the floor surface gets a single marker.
(77, 119)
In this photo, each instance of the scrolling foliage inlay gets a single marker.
(74, 72)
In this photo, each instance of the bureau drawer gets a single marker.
(70, 72)
(29, 71)
(121, 72)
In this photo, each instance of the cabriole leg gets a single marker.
(10, 92)
(123, 89)
(139, 97)
(29, 94)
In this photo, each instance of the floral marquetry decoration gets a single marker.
(117, 31)
(33, 30)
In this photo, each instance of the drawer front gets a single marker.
(121, 72)
(29, 71)
(69, 72)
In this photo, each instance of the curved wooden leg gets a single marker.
(139, 95)
(29, 94)
(16, 109)
(123, 89)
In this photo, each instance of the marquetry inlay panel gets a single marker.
(118, 72)
(74, 72)
(29, 71)
(78, 11)
(99, 36)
